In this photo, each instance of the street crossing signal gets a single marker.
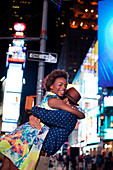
(102, 118)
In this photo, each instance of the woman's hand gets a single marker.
(35, 122)
(60, 104)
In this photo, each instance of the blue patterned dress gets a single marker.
(23, 145)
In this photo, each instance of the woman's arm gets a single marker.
(56, 103)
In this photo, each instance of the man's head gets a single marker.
(73, 95)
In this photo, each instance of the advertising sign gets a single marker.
(105, 43)
(12, 95)
(19, 26)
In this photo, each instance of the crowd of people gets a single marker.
(82, 162)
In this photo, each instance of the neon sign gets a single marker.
(19, 26)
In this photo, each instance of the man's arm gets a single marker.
(58, 118)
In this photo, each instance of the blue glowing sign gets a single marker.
(105, 43)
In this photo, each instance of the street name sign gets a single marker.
(42, 56)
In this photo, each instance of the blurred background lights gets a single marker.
(19, 26)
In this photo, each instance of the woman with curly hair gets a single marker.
(22, 146)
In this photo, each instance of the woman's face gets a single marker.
(59, 86)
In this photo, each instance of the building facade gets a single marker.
(79, 36)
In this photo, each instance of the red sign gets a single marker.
(19, 26)
(16, 60)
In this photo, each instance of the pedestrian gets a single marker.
(66, 161)
(99, 162)
(80, 162)
(88, 161)
(112, 163)
(60, 161)
(94, 162)
(108, 161)
(28, 140)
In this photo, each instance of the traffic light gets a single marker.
(102, 118)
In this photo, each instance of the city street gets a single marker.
(73, 37)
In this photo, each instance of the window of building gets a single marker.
(15, 7)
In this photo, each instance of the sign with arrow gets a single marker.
(42, 56)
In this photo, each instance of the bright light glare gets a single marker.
(86, 10)
(2, 79)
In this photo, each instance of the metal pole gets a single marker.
(42, 49)
(20, 38)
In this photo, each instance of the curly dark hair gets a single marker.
(52, 77)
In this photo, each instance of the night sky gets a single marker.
(34, 30)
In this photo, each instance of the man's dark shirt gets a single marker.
(61, 124)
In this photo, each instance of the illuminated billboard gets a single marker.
(16, 52)
(14, 78)
(108, 101)
(105, 43)
(12, 97)
(19, 26)
(87, 130)
(11, 107)
(87, 80)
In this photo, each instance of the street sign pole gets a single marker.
(43, 49)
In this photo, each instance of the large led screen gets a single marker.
(105, 43)
(14, 78)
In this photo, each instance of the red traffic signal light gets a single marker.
(102, 117)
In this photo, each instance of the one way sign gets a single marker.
(44, 56)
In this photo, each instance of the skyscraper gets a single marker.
(79, 36)
(20, 11)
